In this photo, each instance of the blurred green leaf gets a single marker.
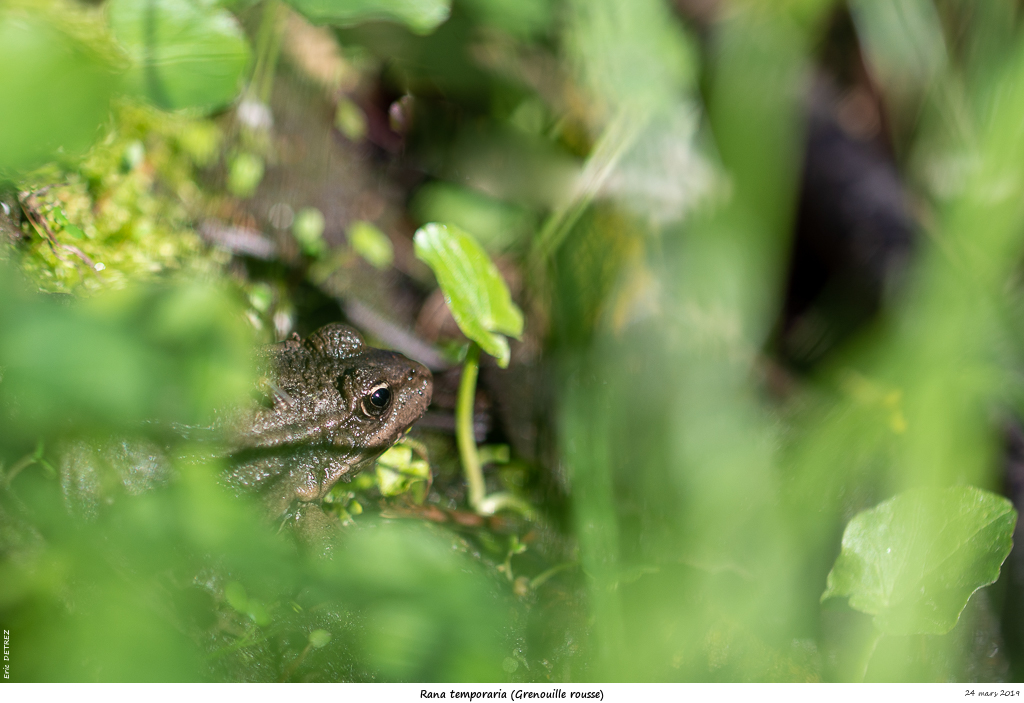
(632, 54)
(496, 224)
(234, 593)
(518, 17)
(903, 40)
(56, 90)
(170, 353)
(398, 637)
(245, 174)
(371, 244)
(398, 471)
(914, 560)
(420, 16)
(187, 53)
(308, 229)
(474, 290)
(350, 119)
(429, 607)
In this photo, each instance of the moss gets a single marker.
(125, 210)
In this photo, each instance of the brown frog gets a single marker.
(334, 405)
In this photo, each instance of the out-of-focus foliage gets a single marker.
(371, 244)
(56, 83)
(186, 580)
(497, 224)
(105, 221)
(169, 356)
(619, 182)
(184, 53)
(914, 560)
(420, 15)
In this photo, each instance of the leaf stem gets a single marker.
(464, 426)
(268, 45)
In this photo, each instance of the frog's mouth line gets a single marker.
(355, 457)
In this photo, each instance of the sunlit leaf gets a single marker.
(186, 53)
(474, 290)
(914, 560)
(419, 15)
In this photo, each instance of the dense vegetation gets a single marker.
(721, 298)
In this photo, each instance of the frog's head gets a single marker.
(380, 394)
(335, 405)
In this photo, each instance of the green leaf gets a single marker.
(914, 561)
(398, 471)
(186, 53)
(474, 290)
(56, 90)
(421, 16)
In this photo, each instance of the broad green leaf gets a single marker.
(472, 287)
(56, 90)
(914, 560)
(186, 53)
(420, 16)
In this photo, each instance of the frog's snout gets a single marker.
(421, 383)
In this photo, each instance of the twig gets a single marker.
(27, 201)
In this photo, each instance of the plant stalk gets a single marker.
(464, 427)
(268, 46)
(868, 654)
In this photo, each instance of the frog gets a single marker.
(332, 405)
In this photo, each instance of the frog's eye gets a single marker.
(377, 401)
